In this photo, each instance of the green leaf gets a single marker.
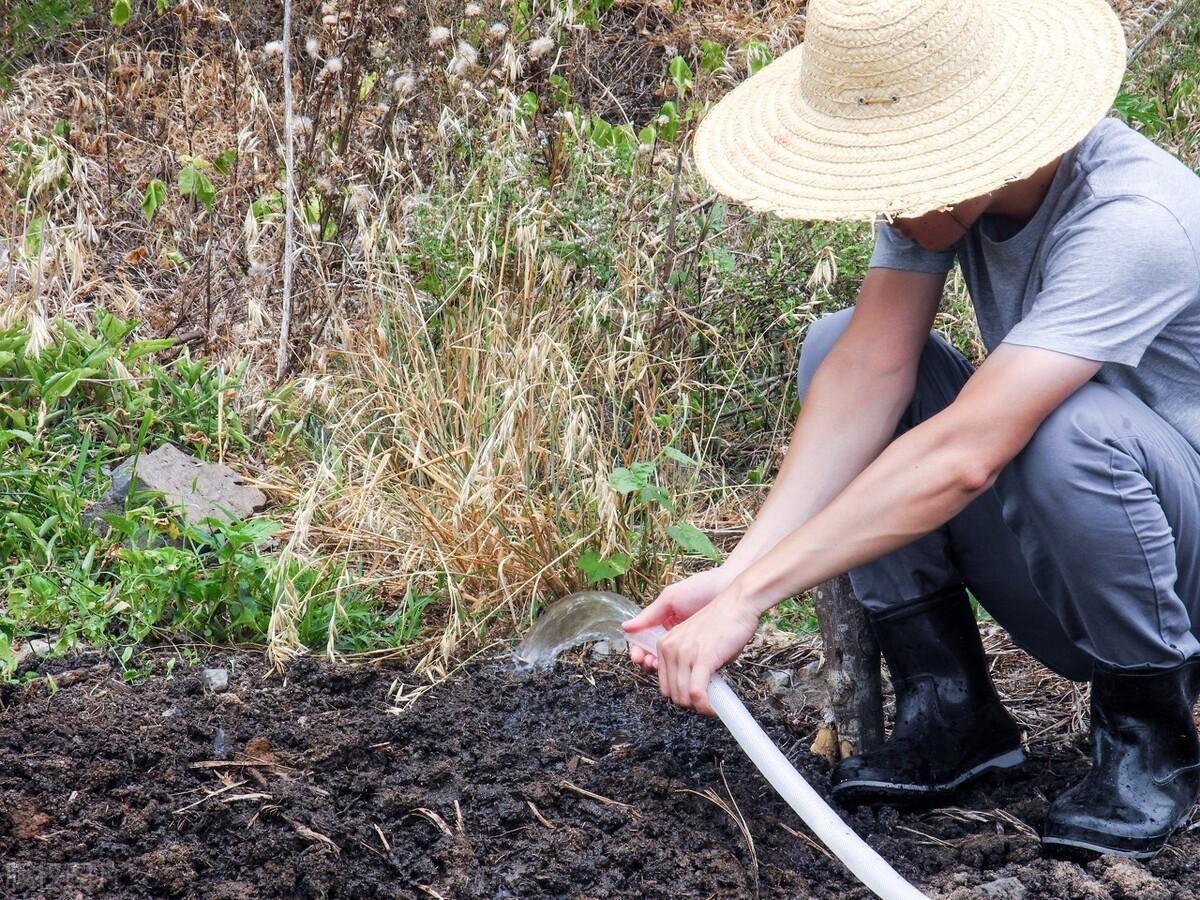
(681, 74)
(680, 457)
(562, 89)
(161, 6)
(8, 659)
(601, 132)
(648, 135)
(156, 193)
(194, 183)
(143, 348)
(712, 56)
(693, 540)
(636, 477)
(668, 120)
(652, 493)
(527, 107)
(226, 161)
(59, 385)
(6, 359)
(120, 13)
(265, 205)
(758, 55)
(599, 568)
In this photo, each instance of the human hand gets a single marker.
(691, 652)
(675, 604)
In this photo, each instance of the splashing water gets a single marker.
(574, 620)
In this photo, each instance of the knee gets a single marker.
(821, 337)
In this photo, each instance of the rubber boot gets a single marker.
(1145, 773)
(950, 725)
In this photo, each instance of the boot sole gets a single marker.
(862, 790)
(1088, 846)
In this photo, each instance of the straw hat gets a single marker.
(905, 106)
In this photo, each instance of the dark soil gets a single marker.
(580, 783)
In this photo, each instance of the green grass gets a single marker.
(71, 410)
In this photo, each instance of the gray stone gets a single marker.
(200, 490)
(1003, 889)
(215, 680)
(39, 647)
(778, 681)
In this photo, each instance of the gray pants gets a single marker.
(1086, 549)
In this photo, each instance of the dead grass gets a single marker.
(462, 435)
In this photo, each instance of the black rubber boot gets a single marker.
(1145, 765)
(950, 725)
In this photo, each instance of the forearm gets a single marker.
(922, 480)
(828, 449)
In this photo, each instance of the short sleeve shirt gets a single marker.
(1107, 269)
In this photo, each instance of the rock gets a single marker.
(39, 647)
(1003, 889)
(777, 681)
(200, 490)
(216, 680)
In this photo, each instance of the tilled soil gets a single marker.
(579, 783)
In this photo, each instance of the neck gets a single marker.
(1021, 199)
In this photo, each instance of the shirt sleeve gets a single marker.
(893, 251)
(1112, 280)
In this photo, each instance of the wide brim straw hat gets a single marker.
(900, 107)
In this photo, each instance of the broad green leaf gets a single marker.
(59, 385)
(652, 493)
(120, 12)
(681, 74)
(636, 477)
(6, 359)
(668, 121)
(226, 161)
(680, 457)
(194, 183)
(156, 193)
(648, 135)
(599, 568)
(693, 540)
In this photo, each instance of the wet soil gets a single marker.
(580, 783)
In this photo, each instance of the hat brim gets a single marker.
(1059, 68)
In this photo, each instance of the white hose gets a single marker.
(870, 868)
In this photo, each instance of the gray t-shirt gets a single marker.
(1108, 269)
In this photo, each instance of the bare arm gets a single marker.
(923, 479)
(853, 405)
(850, 413)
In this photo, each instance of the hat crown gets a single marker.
(875, 58)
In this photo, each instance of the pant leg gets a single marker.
(1105, 503)
(975, 548)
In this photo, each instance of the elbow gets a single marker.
(973, 476)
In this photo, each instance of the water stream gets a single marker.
(574, 620)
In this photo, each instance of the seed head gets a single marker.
(472, 9)
(497, 31)
(273, 48)
(438, 35)
(312, 46)
(541, 47)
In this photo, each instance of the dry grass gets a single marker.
(462, 435)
